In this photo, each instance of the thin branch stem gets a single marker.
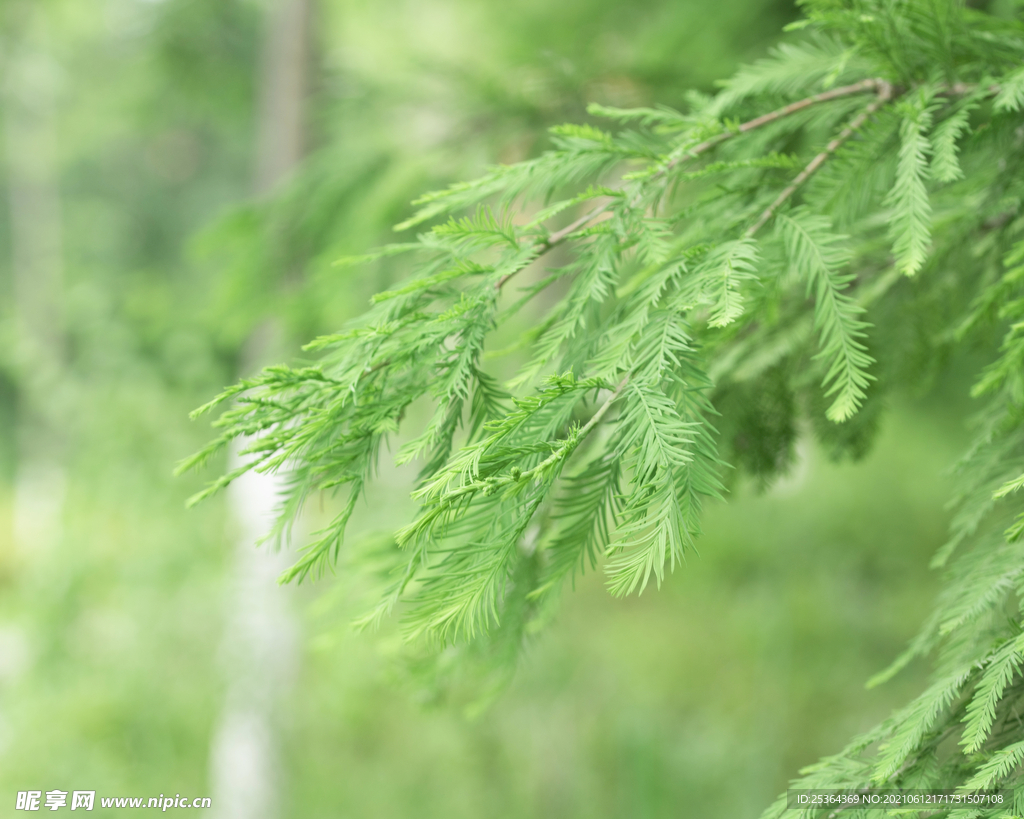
(492, 484)
(559, 235)
(885, 92)
(960, 89)
(555, 238)
(862, 87)
(584, 431)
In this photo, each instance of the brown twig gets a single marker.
(559, 236)
(885, 92)
(861, 87)
(959, 89)
(555, 238)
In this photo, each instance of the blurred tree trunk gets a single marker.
(262, 632)
(283, 92)
(30, 137)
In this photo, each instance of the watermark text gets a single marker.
(87, 800)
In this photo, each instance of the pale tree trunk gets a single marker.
(262, 632)
(29, 90)
(283, 89)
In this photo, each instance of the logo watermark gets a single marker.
(87, 800)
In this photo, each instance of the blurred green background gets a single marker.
(143, 257)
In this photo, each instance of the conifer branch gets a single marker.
(885, 93)
(660, 293)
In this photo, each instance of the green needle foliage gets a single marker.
(832, 224)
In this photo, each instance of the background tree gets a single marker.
(261, 638)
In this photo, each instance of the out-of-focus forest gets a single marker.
(177, 178)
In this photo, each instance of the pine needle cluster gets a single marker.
(833, 223)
